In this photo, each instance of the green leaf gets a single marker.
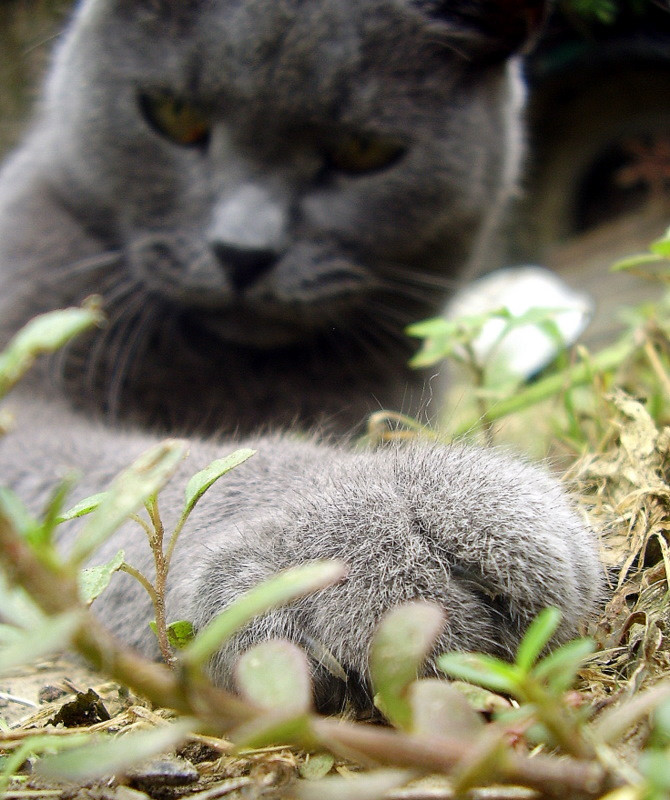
(94, 580)
(632, 262)
(128, 492)
(268, 730)
(38, 744)
(22, 521)
(179, 633)
(43, 334)
(277, 591)
(83, 507)
(558, 669)
(113, 755)
(661, 247)
(18, 607)
(9, 634)
(536, 637)
(438, 709)
(655, 766)
(202, 480)
(399, 647)
(430, 328)
(51, 636)
(51, 514)
(482, 670)
(274, 676)
(317, 766)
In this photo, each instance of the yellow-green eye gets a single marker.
(178, 120)
(357, 154)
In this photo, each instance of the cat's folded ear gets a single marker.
(485, 30)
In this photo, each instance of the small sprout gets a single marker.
(202, 480)
(107, 757)
(83, 507)
(279, 590)
(440, 710)
(659, 252)
(537, 637)
(481, 669)
(316, 766)
(128, 492)
(399, 648)
(51, 636)
(558, 669)
(15, 511)
(179, 634)
(43, 334)
(94, 580)
(275, 676)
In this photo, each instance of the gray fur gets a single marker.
(96, 201)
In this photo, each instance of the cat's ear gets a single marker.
(486, 30)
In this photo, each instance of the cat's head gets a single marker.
(275, 166)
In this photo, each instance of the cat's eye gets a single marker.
(176, 119)
(357, 154)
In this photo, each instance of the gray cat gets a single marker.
(264, 193)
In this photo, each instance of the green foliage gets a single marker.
(446, 338)
(202, 480)
(130, 490)
(276, 591)
(104, 755)
(540, 683)
(94, 580)
(179, 633)
(658, 254)
(44, 334)
(400, 647)
(40, 640)
(274, 676)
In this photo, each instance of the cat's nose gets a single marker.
(243, 265)
(248, 232)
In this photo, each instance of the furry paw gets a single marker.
(490, 539)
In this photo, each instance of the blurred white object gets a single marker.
(527, 348)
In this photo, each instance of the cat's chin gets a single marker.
(249, 330)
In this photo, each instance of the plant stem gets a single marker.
(158, 596)
(557, 777)
(140, 578)
(657, 366)
(142, 523)
(552, 713)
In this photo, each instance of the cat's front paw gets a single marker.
(490, 539)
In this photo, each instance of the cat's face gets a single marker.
(277, 165)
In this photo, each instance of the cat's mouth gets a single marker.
(243, 327)
(301, 297)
